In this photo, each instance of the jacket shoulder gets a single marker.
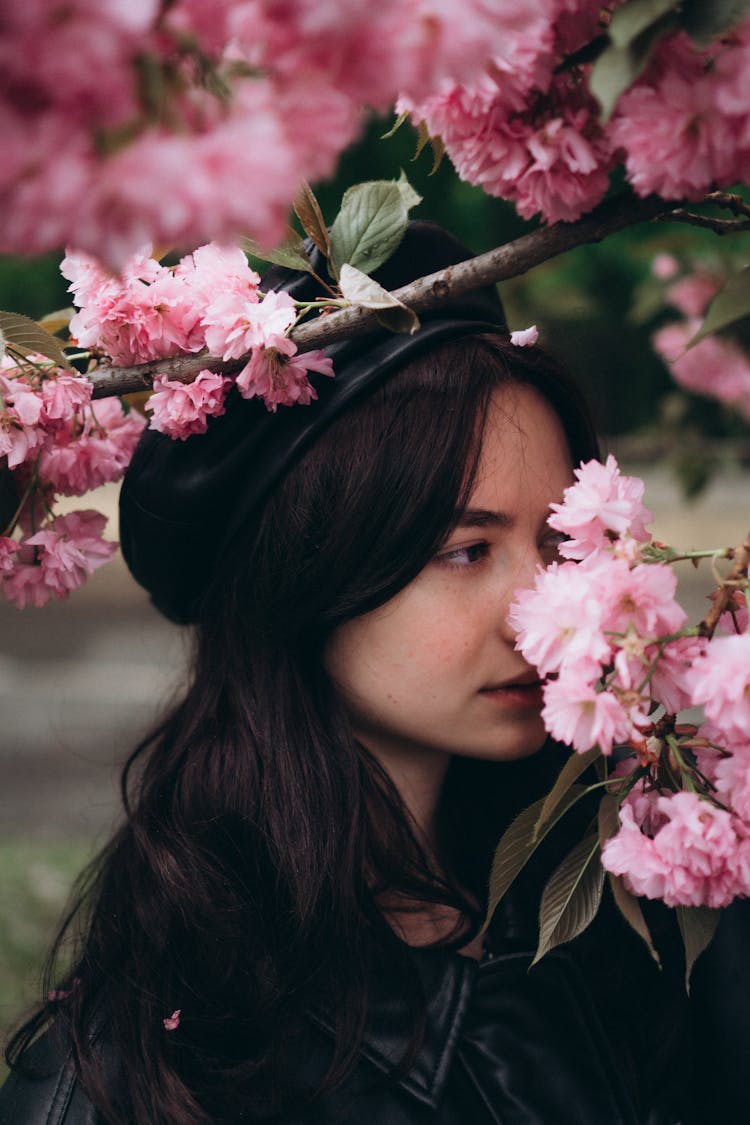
(43, 1089)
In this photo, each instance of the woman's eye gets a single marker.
(550, 546)
(464, 556)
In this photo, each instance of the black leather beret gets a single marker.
(181, 502)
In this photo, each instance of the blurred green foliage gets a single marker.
(35, 881)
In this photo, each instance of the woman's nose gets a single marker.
(523, 576)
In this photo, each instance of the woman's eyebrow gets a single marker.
(484, 517)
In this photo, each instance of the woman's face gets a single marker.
(435, 668)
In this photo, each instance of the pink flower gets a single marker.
(698, 857)
(559, 621)
(525, 337)
(73, 465)
(8, 550)
(600, 507)
(664, 266)
(171, 1023)
(719, 681)
(63, 395)
(181, 409)
(714, 366)
(641, 598)
(71, 549)
(670, 684)
(732, 779)
(575, 713)
(213, 269)
(235, 323)
(26, 585)
(280, 377)
(677, 141)
(693, 293)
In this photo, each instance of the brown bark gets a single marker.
(429, 292)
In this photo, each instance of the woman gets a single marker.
(288, 925)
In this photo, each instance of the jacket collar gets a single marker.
(447, 980)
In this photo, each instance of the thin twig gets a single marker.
(737, 574)
(729, 200)
(718, 226)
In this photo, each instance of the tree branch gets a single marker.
(429, 292)
(718, 226)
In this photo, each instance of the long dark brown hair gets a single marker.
(244, 882)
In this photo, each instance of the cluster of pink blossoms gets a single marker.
(54, 441)
(606, 632)
(209, 300)
(716, 366)
(530, 131)
(193, 120)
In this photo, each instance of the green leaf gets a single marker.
(518, 844)
(703, 20)
(290, 253)
(631, 20)
(618, 66)
(732, 303)
(571, 897)
(697, 926)
(403, 320)
(630, 908)
(571, 771)
(410, 197)
(608, 817)
(359, 289)
(370, 225)
(310, 215)
(55, 321)
(26, 337)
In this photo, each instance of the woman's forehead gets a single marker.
(525, 456)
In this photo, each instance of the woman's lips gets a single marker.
(524, 693)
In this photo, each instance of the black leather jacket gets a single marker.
(592, 1035)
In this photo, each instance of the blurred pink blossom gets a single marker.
(714, 366)
(678, 143)
(693, 293)
(664, 266)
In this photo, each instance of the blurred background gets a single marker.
(81, 681)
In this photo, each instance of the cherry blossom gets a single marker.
(602, 505)
(700, 856)
(182, 409)
(575, 713)
(280, 376)
(719, 681)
